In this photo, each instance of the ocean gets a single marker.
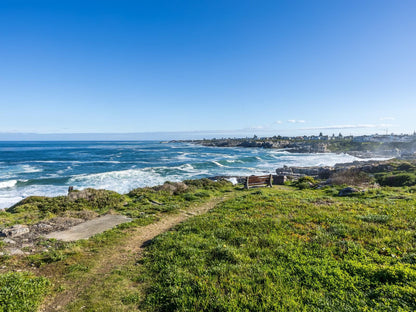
(49, 168)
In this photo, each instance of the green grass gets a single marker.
(280, 249)
(139, 203)
(289, 250)
(21, 292)
(70, 261)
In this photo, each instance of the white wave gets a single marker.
(10, 196)
(232, 161)
(232, 180)
(8, 184)
(7, 201)
(183, 156)
(217, 163)
(30, 169)
(75, 161)
(124, 180)
(13, 171)
(121, 181)
(186, 167)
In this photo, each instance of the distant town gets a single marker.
(364, 146)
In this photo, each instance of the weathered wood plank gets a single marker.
(258, 181)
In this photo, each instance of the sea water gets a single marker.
(49, 168)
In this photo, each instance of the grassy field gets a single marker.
(289, 250)
(279, 249)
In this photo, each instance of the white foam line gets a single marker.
(8, 184)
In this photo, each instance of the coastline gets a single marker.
(49, 168)
(285, 173)
(321, 144)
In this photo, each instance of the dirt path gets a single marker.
(131, 249)
(89, 228)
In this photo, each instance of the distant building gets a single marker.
(385, 138)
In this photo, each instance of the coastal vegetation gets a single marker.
(21, 291)
(293, 247)
(287, 250)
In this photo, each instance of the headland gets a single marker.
(366, 146)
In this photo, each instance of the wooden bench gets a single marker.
(255, 181)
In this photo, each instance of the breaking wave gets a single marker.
(49, 168)
(7, 184)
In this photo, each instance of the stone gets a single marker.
(172, 187)
(14, 251)
(43, 226)
(280, 179)
(347, 191)
(9, 241)
(16, 230)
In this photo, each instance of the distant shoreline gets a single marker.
(364, 147)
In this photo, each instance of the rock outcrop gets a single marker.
(16, 230)
(347, 191)
(326, 172)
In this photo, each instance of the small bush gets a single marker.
(304, 185)
(412, 189)
(406, 167)
(401, 179)
(131, 299)
(305, 182)
(207, 184)
(307, 179)
(351, 177)
(98, 200)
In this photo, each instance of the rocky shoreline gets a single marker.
(325, 173)
(296, 145)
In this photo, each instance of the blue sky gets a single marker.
(220, 67)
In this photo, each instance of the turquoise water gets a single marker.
(48, 168)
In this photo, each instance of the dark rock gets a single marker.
(347, 191)
(280, 179)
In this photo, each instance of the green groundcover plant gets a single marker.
(21, 292)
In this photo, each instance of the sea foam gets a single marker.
(49, 168)
(8, 184)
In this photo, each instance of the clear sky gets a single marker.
(223, 67)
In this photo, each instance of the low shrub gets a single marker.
(400, 179)
(351, 177)
(305, 182)
(90, 199)
(207, 184)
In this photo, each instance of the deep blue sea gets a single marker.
(48, 168)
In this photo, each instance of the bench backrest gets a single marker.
(265, 180)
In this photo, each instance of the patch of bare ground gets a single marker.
(129, 251)
(89, 228)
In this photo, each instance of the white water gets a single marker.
(45, 170)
